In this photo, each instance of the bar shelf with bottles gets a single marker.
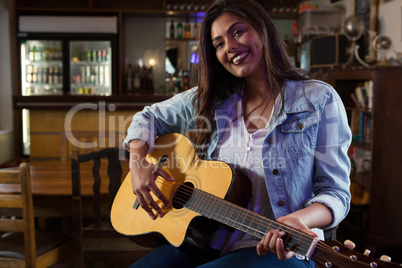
(41, 67)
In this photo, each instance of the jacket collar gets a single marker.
(295, 100)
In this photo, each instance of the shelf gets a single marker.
(44, 63)
(358, 109)
(362, 145)
(361, 178)
(60, 4)
(66, 102)
(128, 5)
(181, 39)
(84, 63)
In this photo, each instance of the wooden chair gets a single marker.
(88, 141)
(94, 236)
(20, 244)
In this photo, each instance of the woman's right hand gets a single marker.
(143, 176)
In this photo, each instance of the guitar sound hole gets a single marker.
(182, 195)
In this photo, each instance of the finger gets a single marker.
(158, 193)
(161, 172)
(280, 249)
(272, 241)
(155, 190)
(261, 249)
(144, 205)
(152, 203)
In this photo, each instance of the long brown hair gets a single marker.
(215, 83)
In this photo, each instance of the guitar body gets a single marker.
(179, 226)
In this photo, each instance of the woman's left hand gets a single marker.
(273, 242)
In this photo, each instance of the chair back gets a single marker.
(96, 225)
(88, 141)
(19, 204)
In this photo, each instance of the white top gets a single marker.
(243, 151)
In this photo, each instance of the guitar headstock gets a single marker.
(334, 254)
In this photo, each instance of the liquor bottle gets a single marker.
(144, 78)
(50, 75)
(38, 53)
(107, 76)
(56, 75)
(195, 30)
(171, 30)
(150, 80)
(137, 77)
(99, 55)
(32, 53)
(39, 75)
(129, 78)
(179, 30)
(93, 58)
(186, 81)
(187, 30)
(101, 75)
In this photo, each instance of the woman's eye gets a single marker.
(237, 32)
(219, 45)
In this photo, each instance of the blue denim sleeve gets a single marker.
(332, 165)
(176, 114)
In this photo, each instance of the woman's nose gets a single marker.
(231, 45)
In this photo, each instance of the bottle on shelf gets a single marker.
(150, 80)
(38, 53)
(137, 77)
(187, 30)
(144, 78)
(32, 53)
(179, 30)
(195, 30)
(172, 35)
(129, 78)
(186, 81)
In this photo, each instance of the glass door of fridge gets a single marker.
(90, 67)
(41, 67)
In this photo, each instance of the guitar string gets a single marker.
(320, 245)
(237, 212)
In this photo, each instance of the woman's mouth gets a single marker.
(238, 58)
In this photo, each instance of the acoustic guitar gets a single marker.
(207, 192)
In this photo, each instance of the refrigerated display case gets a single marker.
(90, 67)
(72, 64)
(41, 67)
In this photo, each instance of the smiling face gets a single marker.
(238, 46)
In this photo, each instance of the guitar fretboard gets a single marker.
(247, 221)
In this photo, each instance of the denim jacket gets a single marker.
(305, 159)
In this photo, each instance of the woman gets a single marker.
(255, 111)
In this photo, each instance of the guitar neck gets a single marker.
(247, 221)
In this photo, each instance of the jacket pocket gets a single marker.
(300, 134)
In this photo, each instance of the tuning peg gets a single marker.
(385, 258)
(349, 244)
(366, 252)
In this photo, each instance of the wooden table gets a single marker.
(52, 189)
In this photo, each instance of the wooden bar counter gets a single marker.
(50, 116)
